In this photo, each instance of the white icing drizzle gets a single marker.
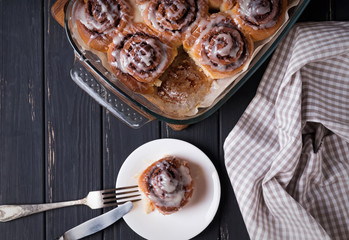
(118, 38)
(260, 10)
(252, 8)
(142, 8)
(185, 173)
(110, 11)
(86, 20)
(229, 49)
(179, 17)
(176, 10)
(122, 59)
(168, 184)
(171, 189)
(213, 45)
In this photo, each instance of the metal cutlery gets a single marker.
(94, 199)
(98, 223)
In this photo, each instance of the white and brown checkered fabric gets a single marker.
(288, 156)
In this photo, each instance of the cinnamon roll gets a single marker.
(167, 184)
(138, 56)
(219, 47)
(175, 18)
(96, 19)
(259, 18)
(183, 86)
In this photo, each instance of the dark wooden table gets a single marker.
(57, 144)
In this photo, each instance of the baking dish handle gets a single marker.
(105, 97)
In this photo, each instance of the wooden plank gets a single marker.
(21, 114)
(73, 133)
(72, 126)
(119, 141)
(318, 10)
(340, 10)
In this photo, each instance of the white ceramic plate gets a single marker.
(194, 217)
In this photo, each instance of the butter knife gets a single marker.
(98, 223)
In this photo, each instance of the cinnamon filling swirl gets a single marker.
(168, 184)
(96, 19)
(261, 13)
(137, 54)
(141, 55)
(174, 18)
(103, 15)
(219, 46)
(224, 47)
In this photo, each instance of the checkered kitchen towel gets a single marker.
(288, 156)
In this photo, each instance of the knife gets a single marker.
(98, 223)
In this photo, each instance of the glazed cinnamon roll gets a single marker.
(96, 19)
(175, 18)
(183, 86)
(219, 46)
(138, 56)
(168, 184)
(259, 18)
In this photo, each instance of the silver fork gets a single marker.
(94, 199)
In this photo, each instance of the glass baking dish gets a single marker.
(134, 109)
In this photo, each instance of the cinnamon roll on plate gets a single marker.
(97, 19)
(167, 184)
(219, 46)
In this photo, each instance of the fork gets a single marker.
(94, 199)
